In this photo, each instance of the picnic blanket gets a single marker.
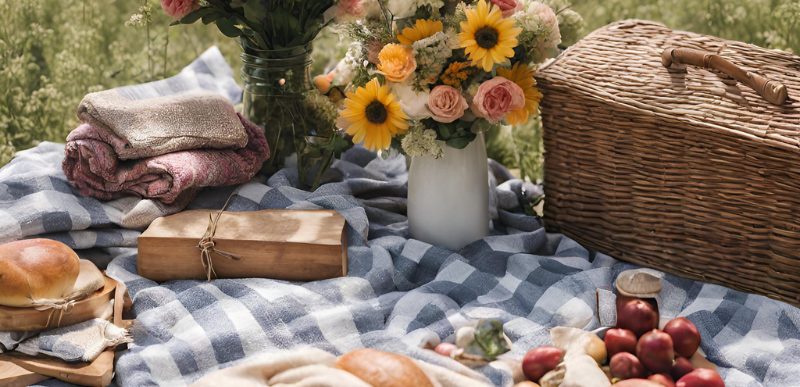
(399, 292)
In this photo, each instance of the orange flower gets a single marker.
(397, 63)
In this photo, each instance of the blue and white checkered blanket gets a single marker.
(399, 293)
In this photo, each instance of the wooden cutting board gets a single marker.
(12, 375)
(20, 369)
(96, 374)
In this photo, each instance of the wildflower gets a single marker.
(456, 73)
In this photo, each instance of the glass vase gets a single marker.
(276, 83)
(448, 198)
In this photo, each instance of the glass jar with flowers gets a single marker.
(427, 78)
(277, 40)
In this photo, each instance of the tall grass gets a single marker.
(53, 52)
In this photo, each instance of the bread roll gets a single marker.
(383, 369)
(89, 281)
(36, 269)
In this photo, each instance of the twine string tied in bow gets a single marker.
(207, 245)
(61, 306)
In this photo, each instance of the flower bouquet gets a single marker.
(276, 38)
(426, 78)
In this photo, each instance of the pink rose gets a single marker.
(179, 8)
(446, 104)
(496, 97)
(509, 7)
(351, 7)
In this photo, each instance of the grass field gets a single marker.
(53, 52)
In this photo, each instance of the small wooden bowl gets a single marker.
(30, 319)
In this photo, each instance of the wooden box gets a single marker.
(294, 245)
(688, 170)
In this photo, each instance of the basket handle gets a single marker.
(772, 91)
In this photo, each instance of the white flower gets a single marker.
(406, 8)
(345, 69)
(414, 103)
(431, 54)
(420, 142)
(540, 19)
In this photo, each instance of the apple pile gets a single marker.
(639, 353)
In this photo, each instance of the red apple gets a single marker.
(637, 316)
(701, 377)
(620, 340)
(680, 368)
(445, 349)
(685, 336)
(540, 361)
(662, 379)
(654, 349)
(626, 365)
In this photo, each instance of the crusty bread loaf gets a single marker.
(383, 369)
(36, 269)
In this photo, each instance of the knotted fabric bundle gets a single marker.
(76, 343)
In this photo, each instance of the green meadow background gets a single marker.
(53, 52)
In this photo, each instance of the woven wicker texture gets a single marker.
(686, 171)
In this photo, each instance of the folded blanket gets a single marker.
(307, 367)
(94, 168)
(137, 129)
(76, 343)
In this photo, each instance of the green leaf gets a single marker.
(444, 131)
(460, 142)
(211, 17)
(196, 15)
(254, 11)
(228, 28)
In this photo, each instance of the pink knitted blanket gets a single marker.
(93, 167)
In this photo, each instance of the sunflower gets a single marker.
(422, 29)
(523, 77)
(373, 116)
(487, 37)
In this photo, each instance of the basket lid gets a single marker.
(621, 64)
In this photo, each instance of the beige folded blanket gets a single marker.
(138, 129)
(314, 367)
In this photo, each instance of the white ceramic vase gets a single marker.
(448, 198)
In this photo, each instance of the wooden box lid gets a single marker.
(299, 245)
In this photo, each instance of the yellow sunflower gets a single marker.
(487, 37)
(373, 115)
(422, 29)
(523, 77)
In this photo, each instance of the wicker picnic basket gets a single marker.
(694, 170)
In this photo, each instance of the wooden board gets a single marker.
(296, 245)
(30, 319)
(12, 375)
(97, 373)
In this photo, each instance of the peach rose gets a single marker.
(179, 8)
(446, 104)
(508, 7)
(496, 97)
(396, 62)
